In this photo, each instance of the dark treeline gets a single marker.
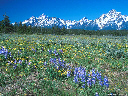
(7, 27)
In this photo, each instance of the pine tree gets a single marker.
(29, 30)
(57, 30)
(53, 29)
(63, 31)
(6, 24)
(0, 26)
(24, 28)
(39, 29)
(34, 29)
(20, 28)
(15, 27)
(11, 28)
(42, 30)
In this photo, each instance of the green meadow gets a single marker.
(63, 65)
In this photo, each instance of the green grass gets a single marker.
(108, 55)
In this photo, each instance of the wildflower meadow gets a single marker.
(63, 65)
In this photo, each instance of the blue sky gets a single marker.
(20, 10)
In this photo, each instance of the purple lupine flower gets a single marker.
(98, 75)
(68, 73)
(89, 75)
(18, 53)
(50, 51)
(56, 54)
(106, 82)
(54, 51)
(97, 94)
(83, 78)
(76, 79)
(63, 61)
(79, 72)
(59, 59)
(32, 49)
(67, 64)
(89, 83)
(75, 71)
(5, 52)
(54, 61)
(69, 67)
(20, 61)
(111, 94)
(10, 63)
(26, 61)
(93, 80)
(101, 82)
(79, 68)
(9, 53)
(51, 60)
(83, 85)
(45, 63)
(2, 48)
(61, 50)
(15, 62)
(57, 67)
(15, 66)
(93, 73)
(83, 72)
(60, 62)
(62, 65)
(5, 56)
(1, 51)
(42, 49)
(29, 63)
(93, 76)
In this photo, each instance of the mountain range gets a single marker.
(112, 20)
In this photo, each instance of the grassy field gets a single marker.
(55, 65)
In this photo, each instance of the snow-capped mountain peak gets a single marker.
(110, 20)
(112, 11)
(43, 16)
